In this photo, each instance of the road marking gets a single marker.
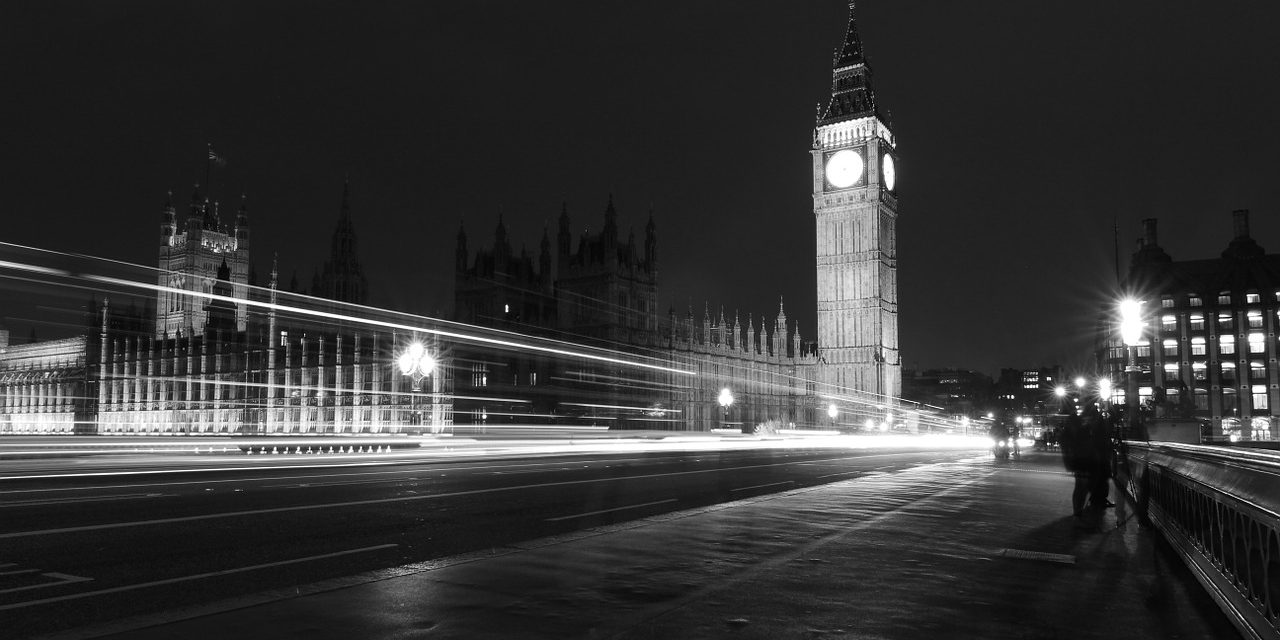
(595, 513)
(1038, 555)
(761, 486)
(48, 501)
(62, 578)
(373, 501)
(842, 473)
(198, 576)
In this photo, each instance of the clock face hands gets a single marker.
(844, 168)
(889, 171)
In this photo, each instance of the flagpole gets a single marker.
(208, 174)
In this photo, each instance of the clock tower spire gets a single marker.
(855, 206)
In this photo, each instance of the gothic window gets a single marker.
(1170, 347)
(1170, 371)
(1252, 298)
(1225, 320)
(1224, 297)
(1257, 370)
(1195, 301)
(1255, 319)
(1199, 371)
(1228, 373)
(1166, 302)
(1168, 323)
(1197, 322)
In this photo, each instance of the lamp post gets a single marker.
(418, 364)
(832, 412)
(1131, 334)
(725, 399)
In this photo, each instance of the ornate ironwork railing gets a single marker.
(1219, 507)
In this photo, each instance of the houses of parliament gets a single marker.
(219, 355)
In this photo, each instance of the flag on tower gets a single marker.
(215, 158)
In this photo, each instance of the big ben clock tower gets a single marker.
(855, 206)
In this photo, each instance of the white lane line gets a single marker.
(298, 467)
(372, 501)
(761, 486)
(842, 473)
(596, 513)
(62, 578)
(19, 571)
(49, 501)
(198, 576)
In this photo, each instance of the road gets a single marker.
(95, 540)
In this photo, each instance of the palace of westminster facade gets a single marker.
(216, 358)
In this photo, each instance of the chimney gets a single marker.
(1240, 223)
(1149, 233)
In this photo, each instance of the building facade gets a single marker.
(192, 249)
(207, 363)
(1209, 348)
(855, 207)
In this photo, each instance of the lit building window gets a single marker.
(1252, 298)
(1166, 302)
(1257, 342)
(1255, 319)
(1224, 297)
(1225, 321)
(1199, 371)
(1228, 372)
(284, 338)
(1260, 397)
(1257, 370)
(479, 375)
(1170, 347)
(1201, 398)
(1197, 322)
(1169, 323)
(1195, 301)
(1197, 346)
(1227, 344)
(1171, 371)
(1230, 400)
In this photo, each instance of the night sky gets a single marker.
(1025, 131)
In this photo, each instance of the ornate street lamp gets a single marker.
(418, 364)
(1131, 334)
(726, 400)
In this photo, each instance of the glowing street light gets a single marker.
(1060, 391)
(1104, 389)
(1080, 382)
(1131, 334)
(416, 363)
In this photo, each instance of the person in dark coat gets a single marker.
(1099, 444)
(1077, 457)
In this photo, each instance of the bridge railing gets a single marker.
(1220, 509)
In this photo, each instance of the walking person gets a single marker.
(1099, 444)
(1077, 457)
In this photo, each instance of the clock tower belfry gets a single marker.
(855, 207)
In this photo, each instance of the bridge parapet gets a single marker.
(1220, 509)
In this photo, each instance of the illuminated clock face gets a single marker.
(890, 172)
(844, 168)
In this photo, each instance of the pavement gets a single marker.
(973, 548)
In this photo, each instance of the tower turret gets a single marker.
(461, 256)
(168, 221)
(651, 245)
(242, 223)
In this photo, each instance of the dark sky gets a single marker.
(1024, 128)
